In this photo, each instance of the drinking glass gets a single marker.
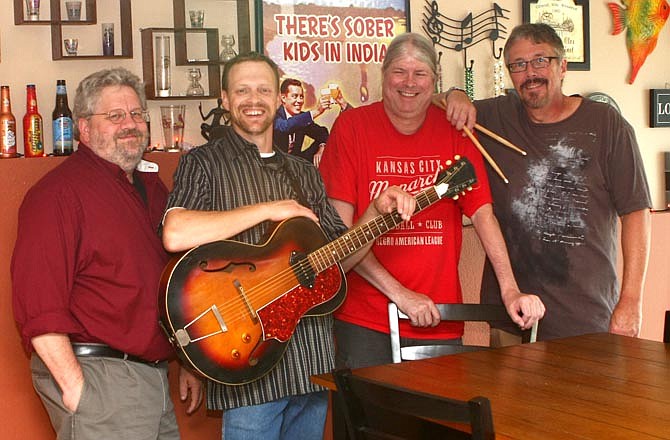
(33, 9)
(228, 51)
(194, 88)
(71, 46)
(163, 78)
(172, 120)
(197, 18)
(108, 39)
(73, 9)
(334, 92)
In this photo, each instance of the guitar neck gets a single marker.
(357, 238)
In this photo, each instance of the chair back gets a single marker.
(448, 312)
(374, 410)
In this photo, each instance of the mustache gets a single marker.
(534, 81)
(128, 132)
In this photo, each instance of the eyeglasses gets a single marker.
(537, 63)
(117, 116)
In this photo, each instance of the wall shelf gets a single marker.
(181, 59)
(57, 22)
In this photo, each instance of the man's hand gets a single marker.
(318, 155)
(524, 309)
(283, 209)
(458, 108)
(626, 318)
(395, 198)
(189, 385)
(420, 309)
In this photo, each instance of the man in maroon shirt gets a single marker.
(85, 273)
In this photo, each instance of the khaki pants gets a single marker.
(120, 400)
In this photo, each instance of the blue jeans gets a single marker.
(291, 418)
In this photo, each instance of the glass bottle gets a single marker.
(7, 125)
(33, 140)
(62, 122)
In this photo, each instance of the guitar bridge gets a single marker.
(182, 336)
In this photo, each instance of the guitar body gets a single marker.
(231, 308)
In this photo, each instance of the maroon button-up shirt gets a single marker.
(88, 261)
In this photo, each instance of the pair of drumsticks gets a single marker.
(486, 155)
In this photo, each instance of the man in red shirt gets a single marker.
(85, 273)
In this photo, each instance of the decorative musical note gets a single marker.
(458, 35)
(465, 41)
(433, 24)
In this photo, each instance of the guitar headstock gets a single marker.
(460, 176)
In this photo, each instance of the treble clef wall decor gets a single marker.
(459, 35)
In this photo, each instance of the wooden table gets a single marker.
(598, 386)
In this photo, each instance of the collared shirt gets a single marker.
(229, 173)
(88, 260)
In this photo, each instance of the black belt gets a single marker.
(102, 350)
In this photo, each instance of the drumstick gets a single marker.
(443, 105)
(486, 155)
(500, 139)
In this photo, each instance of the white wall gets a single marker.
(26, 58)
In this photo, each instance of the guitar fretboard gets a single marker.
(358, 237)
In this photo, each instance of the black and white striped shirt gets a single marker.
(229, 173)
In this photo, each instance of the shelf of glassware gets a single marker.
(125, 19)
(210, 60)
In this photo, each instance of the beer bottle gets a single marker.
(33, 140)
(62, 122)
(7, 125)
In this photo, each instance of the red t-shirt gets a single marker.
(88, 260)
(365, 154)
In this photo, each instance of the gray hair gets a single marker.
(411, 43)
(90, 88)
(537, 33)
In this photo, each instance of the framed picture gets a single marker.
(570, 19)
(659, 108)
(330, 45)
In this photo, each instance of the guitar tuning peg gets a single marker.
(469, 188)
(463, 193)
(457, 157)
(455, 197)
(448, 163)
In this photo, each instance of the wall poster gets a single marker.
(331, 45)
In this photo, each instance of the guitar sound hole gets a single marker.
(230, 267)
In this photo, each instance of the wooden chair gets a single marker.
(373, 410)
(666, 328)
(448, 312)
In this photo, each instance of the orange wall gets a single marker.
(21, 408)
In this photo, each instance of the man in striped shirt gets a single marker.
(237, 187)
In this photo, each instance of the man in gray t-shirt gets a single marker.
(560, 211)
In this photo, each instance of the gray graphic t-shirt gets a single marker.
(559, 212)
